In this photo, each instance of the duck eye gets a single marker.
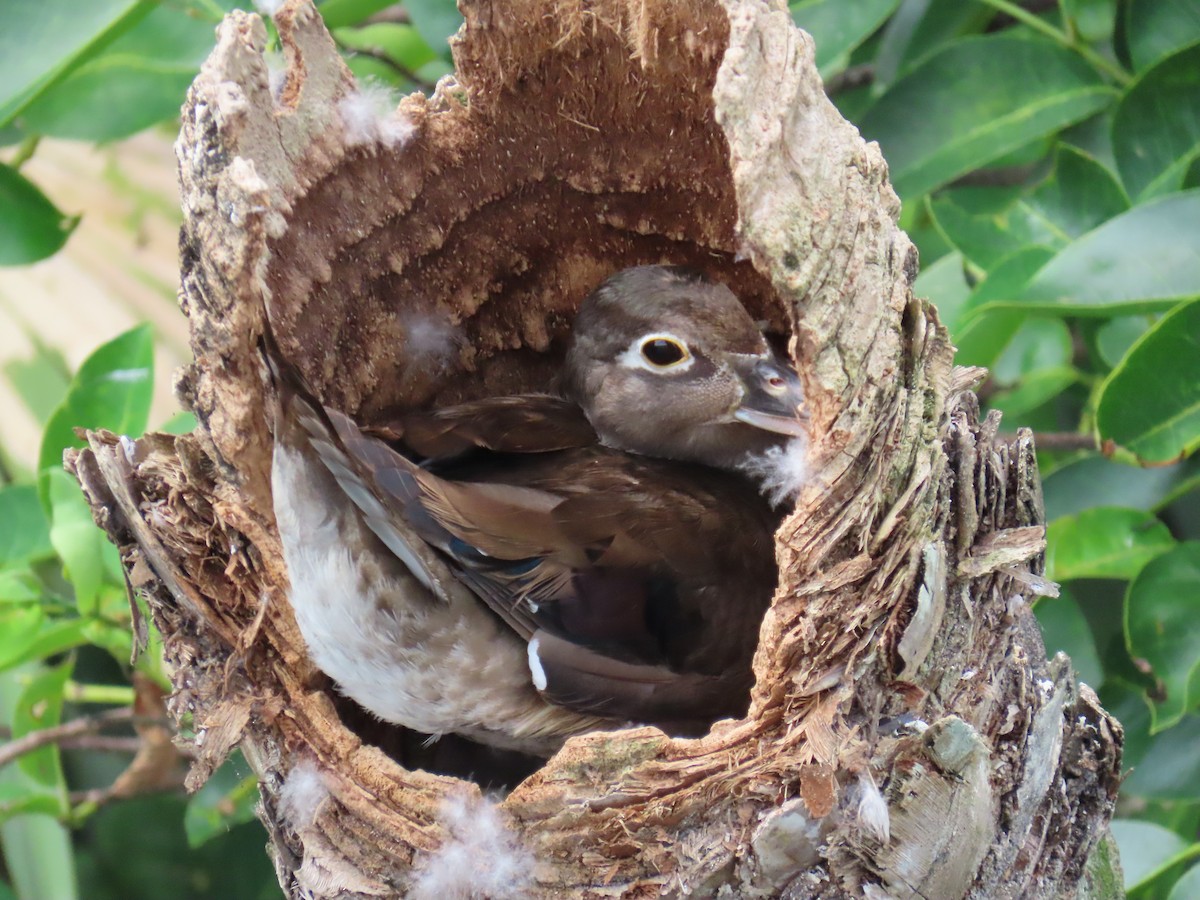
(664, 352)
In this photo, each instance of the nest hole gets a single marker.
(466, 357)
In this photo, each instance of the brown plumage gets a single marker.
(582, 565)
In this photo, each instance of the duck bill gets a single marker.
(773, 399)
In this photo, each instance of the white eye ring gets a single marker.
(635, 356)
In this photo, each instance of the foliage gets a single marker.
(1048, 159)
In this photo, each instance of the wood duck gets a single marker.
(520, 569)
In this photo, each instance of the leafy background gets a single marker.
(1048, 157)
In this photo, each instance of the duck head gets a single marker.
(669, 364)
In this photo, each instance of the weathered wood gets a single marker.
(907, 736)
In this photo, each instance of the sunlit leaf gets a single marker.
(24, 531)
(180, 423)
(1142, 260)
(1156, 130)
(43, 40)
(31, 227)
(1155, 29)
(39, 707)
(962, 108)
(1161, 608)
(1150, 403)
(79, 543)
(1104, 542)
(112, 390)
(838, 27)
(1065, 629)
(41, 380)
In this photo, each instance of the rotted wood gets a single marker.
(907, 736)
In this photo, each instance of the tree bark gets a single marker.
(907, 736)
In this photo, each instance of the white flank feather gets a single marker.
(369, 116)
(781, 472)
(481, 859)
(302, 794)
(873, 815)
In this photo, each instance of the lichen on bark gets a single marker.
(899, 655)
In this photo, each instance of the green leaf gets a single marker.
(19, 627)
(1076, 486)
(182, 422)
(838, 27)
(1156, 129)
(1093, 20)
(1150, 403)
(1142, 260)
(1145, 847)
(112, 390)
(945, 285)
(919, 29)
(37, 849)
(400, 43)
(1170, 767)
(44, 40)
(19, 585)
(22, 800)
(1161, 607)
(57, 636)
(989, 224)
(79, 543)
(1034, 390)
(41, 381)
(986, 324)
(1157, 28)
(1116, 336)
(1065, 628)
(31, 227)
(340, 13)
(1104, 542)
(1039, 345)
(40, 707)
(437, 20)
(224, 801)
(137, 81)
(962, 108)
(1187, 887)
(1079, 194)
(24, 531)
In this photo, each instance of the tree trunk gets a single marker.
(907, 736)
